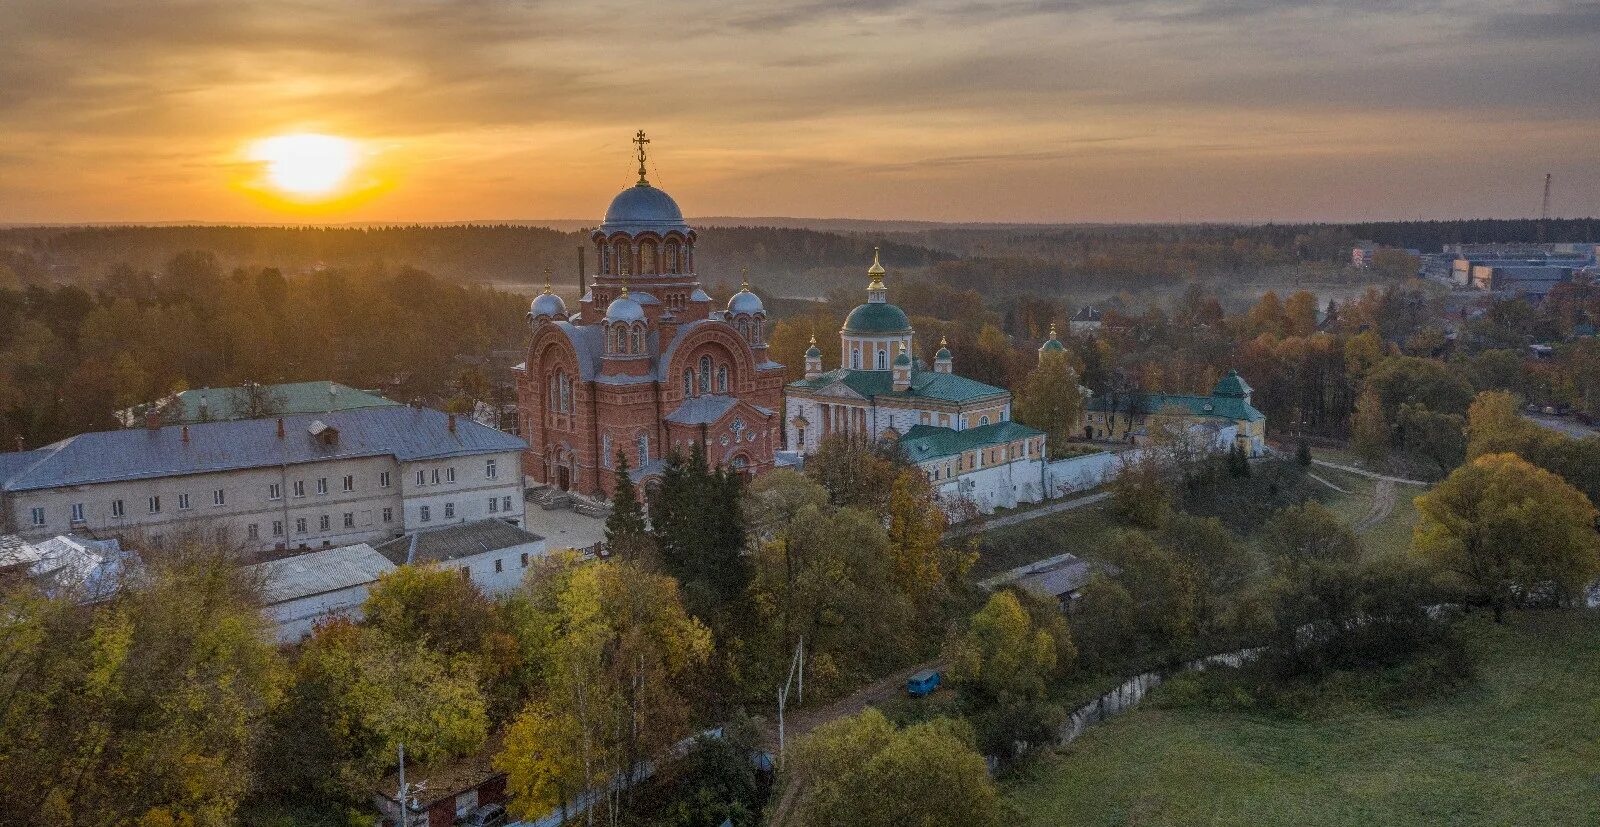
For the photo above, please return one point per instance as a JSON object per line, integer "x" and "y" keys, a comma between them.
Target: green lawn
{"x": 1392, "y": 535}
{"x": 1521, "y": 747}
{"x": 1079, "y": 531}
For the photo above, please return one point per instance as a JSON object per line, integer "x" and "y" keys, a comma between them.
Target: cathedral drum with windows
{"x": 646, "y": 366}
{"x": 957, "y": 430}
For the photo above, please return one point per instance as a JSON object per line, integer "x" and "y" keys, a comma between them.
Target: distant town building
{"x": 957, "y": 430}
{"x": 300, "y": 590}
{"x": 1085, "y": 321}
{"x": 302, "y": 481}
{"x": 646, "y": 366}
{"x": 494, "y": 554}
{"x": 252, "y": 401}
{"x": 1133, "y": 418}
{"x": 1361, "y": 255}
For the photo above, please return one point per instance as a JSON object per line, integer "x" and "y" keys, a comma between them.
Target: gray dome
{"x": 641, "y": 208}
{"x": 547, "y": 304}
{"x": 745, "y": 301}
{"x": 624, "y": 309}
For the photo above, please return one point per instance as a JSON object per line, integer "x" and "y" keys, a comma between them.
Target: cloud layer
{"x": 1081, "y": 110}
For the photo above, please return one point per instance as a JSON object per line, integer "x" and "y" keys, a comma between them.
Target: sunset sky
{"x": 962, "y": 110}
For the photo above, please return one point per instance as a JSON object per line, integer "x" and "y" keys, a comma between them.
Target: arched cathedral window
{"x": 722, "y": 379}
{"x": 688, "y": 383}
{"x": 705, "y": 374}
{"x": 624, "y": 260}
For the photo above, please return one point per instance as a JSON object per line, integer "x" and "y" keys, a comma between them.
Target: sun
{"x": 306, "y": 164}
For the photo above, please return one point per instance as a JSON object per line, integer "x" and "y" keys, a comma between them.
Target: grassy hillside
{"x": 1522, "y": 747}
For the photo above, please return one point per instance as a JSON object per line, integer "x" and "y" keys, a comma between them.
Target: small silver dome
{"x": 547, "y": 304}
{"x": 745, "y": 302}
{"x": 624, "y": 309}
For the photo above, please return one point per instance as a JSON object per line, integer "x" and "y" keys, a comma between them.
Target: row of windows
{"x": 78, "y": 512}
{"x": 499, "y": 566}
{"x": 496, "y": 505}
{"x": 623, "y": 339}
{"x": 704, "y": 385}
{"x": 618, "y": 259}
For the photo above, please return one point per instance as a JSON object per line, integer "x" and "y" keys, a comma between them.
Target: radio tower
{"x": 1544, "y": 208}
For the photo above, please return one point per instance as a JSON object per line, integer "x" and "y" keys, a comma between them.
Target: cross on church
{"x": 641, "y": 140}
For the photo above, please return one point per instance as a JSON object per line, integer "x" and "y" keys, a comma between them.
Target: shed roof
{"x": 453, "y": 542}
{"x": 320, "y": 572}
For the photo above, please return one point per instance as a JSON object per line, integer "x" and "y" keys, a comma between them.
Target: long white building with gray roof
{"x": 297, "y": 482}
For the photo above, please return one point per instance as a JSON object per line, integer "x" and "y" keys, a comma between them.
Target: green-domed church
{"x": 959, "y": 431}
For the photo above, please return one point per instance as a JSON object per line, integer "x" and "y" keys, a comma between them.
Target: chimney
{"x": 451, "y": 423}
{"x": 186, "y": 435}
{"x": 152, "y": 419}
{"x": 582, "y": 277}
{"x": 280, "y": 428}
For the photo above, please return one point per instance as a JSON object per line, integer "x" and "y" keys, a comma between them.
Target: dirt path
{"x": 1370, "y": 475}
{"x": 1383, "y": 499}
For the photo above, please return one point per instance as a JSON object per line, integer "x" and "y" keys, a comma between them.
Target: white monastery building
{"x": 957, "y": 430}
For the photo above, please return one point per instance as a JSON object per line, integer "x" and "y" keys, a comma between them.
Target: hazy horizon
{"x": 952, "y": 111}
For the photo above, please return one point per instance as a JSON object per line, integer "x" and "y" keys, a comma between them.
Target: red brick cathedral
{"x": 645, "y": 366}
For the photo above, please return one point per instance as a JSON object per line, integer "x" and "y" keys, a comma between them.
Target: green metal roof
{"x": 877, "y": 317}
{"x": 222, "y": 404}
{"x": 1217, "y": 407}
{"x": 925, "y": 442}
{"x": 944, "y": 387}
{"x": 1231, "y": 386}
{"x": 1052, "y": 344}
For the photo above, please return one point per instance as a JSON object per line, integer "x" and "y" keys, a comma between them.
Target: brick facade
{"x": 646, "y": 366}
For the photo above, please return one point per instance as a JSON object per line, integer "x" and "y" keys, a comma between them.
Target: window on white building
{"x": 155, "y": 505}
{"x": 388, "y": 515}
{"x": 183, "y": 502}
{"x": 425, "y": 514}
{"x": 252, "y": 532}
{"x": 77, "y": 513}
{"x": 322, "y": 485}
{"x": 449, "y": 511}
{"x": 349, "y": 482}
{"x": 300, "y": 525}
{"x": 38, "y": 516}
{"x": 490, "y": 470}
{"x": 299, "y": 488}
{"x": 349, "y": 519}
{"x": 422, "y": 478}
{"x": 277, "y": 528}
{"x": 450, "y": 474}
{"x": 506, "y": 503}
{"x": 433, "y": 477}
{"x": 274, "y": 491}
{"x": 116, "y": 508}
{"x": 498, "y": 567}
{"x": 383, "y": 480}
{"x": 494, "y": 504}
{"x": 524, "y": 559}
{"x": 219, "y": 497}
{"x": 324, "y": 523}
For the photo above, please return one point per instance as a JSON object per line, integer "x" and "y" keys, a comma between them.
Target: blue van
{"x": 922, "y": 683}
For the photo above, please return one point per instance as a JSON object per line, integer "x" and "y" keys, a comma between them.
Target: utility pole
{"x": 796, "y": 672}
{"x": 406, "y": 793}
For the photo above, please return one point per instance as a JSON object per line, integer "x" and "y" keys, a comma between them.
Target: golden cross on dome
{"x": 547, "y": 280}
{"x": 744, "y": 272}
{"x": 641, "y": 140}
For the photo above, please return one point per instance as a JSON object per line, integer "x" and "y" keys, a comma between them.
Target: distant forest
{"x": 788, "y": 261}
